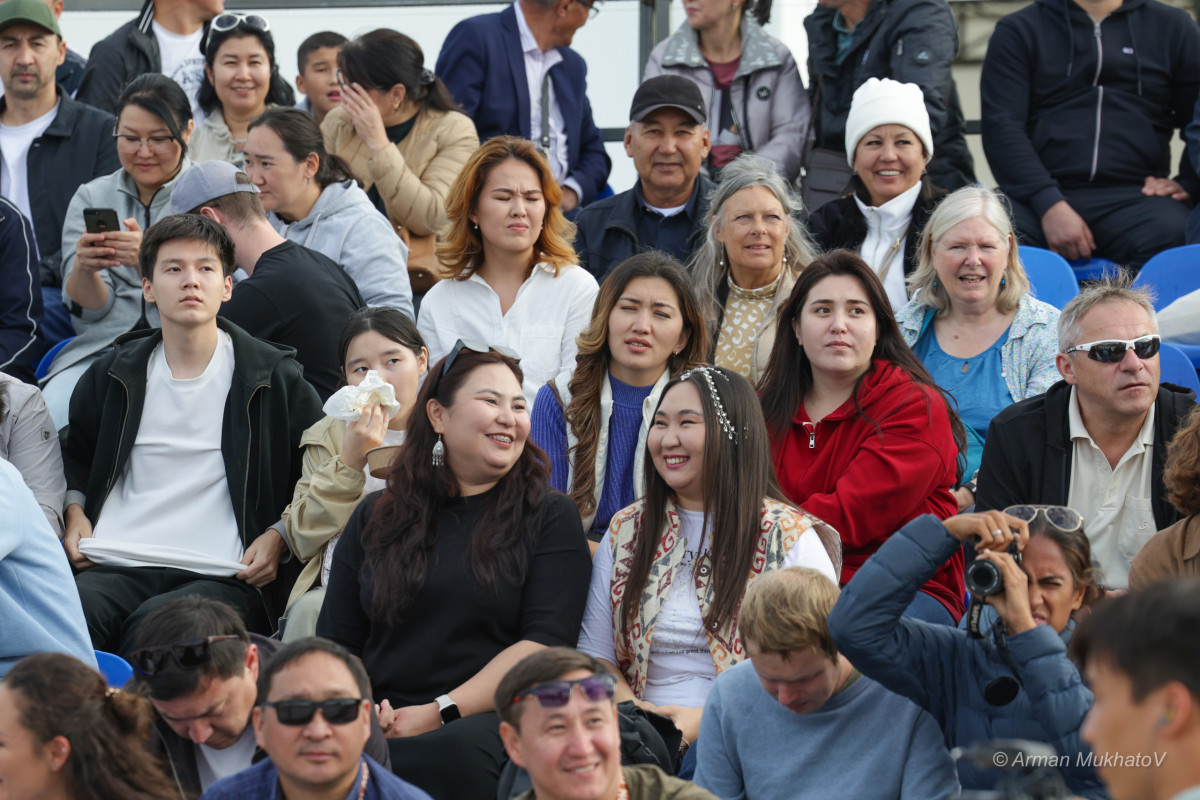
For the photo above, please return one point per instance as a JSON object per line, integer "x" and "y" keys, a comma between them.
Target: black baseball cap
{"x": 668, "y": 91}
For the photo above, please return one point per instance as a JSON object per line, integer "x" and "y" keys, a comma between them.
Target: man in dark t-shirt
{"x": 293, "y": 296}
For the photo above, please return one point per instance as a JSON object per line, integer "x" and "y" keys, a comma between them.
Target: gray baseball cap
{"x": 204, "y": 182}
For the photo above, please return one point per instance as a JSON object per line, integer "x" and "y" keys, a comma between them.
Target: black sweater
{"x": 455, "y": 626}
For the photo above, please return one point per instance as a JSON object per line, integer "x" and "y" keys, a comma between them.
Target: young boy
{"x": 183, "y": 449}
{"x": 317, "y": 57}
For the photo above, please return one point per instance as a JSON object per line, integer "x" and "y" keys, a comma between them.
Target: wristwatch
{"x": 448, "y": 709}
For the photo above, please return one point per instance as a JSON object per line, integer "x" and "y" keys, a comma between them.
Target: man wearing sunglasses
{"x": 558, "y": 720}
{"x": 200, "y": 669}
{"x": 313, "y": 721}
{"x": 1097, "y": 440}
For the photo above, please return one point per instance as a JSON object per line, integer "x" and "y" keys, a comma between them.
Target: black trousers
{"x": 460, "y": 761}
{"x": 1128, "y": 226}
{"x": 116, "y": 599}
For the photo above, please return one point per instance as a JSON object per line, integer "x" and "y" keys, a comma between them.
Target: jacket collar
{"x": 758, "y": 51}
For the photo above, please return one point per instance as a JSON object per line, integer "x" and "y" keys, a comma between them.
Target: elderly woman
{"x": 723, "y": 49}
{"x": 888, "y": 144}
{"x": 972, "y": 321}
{"x": 752, "y": 254}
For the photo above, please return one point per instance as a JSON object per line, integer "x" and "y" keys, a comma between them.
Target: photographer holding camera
{"x": 1014, "y": 681}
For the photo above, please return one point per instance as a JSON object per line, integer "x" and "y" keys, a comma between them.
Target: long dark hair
{"x": 301, "y": 136}
{"x": 788, "y": 378}
{"x": 279, "y": 91}
{"x": 582, "y": 414}
{"x": 399, "y": 537}
{"x": 384, "y": 320}
{"x": 383, "y": 58}
{"x": 157, "y": 94}
{"x": 57, "y": 695}
{"x": 738, "y": 476}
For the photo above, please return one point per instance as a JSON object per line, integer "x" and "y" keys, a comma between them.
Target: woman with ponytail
{"x": 751, "y": 85}
{"x": 65, "y": 734}
{"x": 312, "y": 199}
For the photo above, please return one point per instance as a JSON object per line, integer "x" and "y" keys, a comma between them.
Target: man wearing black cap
{"x": 668, "y": 141}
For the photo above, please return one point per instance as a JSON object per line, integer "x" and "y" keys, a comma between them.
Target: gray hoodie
{"x": 345, "y": 226}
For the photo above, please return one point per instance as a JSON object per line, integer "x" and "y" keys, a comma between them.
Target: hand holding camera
{"x": 996, "y": 575}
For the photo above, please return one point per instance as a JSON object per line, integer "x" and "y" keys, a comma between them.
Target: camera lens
{"x": 983, "y": 578}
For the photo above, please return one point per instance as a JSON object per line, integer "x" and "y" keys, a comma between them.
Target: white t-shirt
{"x": 173, "y": 492}
{"x": 213, "y": 764}
{"x": 183, "y": 63}
{"x": 15, "y": 141}
{"x": 680, "y": 669}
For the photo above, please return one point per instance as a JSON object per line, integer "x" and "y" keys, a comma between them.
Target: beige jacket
{"x": 765, "y": 340}
{"x": 326, "y": 495}
{"x": 413, "y": 177}
{"x": 1173, "y": 552}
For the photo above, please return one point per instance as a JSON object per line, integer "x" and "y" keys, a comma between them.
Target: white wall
{"x": 609, "y": 44}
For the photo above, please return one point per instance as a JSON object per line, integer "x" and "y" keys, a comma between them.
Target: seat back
{"x": 1050, "y": 276}
{"x": 1172, "y": 274}
{"x": 116, "y": 670}
{"x": 1175, "y": 367}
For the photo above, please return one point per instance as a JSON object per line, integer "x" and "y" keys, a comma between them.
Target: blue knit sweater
{"x": 549, "y": 432}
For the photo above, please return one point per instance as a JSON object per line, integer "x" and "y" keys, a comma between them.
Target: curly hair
{"x": 1182, "y": 473}
{"x": 460, "y": 246}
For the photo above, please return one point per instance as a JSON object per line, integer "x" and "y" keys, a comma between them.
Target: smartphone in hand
{"x": 101, "y": 220}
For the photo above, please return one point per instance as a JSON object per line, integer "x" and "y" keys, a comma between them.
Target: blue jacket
{"x": 945, "y": 671}
{"x": 261, "y": 782}
{"x": 483, "y": 66}
{"x": 20, "y": 295}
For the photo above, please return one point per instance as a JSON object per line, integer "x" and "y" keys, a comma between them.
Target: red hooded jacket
{"x": 869, "y": 475}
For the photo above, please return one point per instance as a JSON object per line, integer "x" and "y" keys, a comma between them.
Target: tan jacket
{"x": 764, "y": 341}
{"x": 1171, "y": 553}
{"x": 326, "y": 495}
{"x": 414, "y": 177}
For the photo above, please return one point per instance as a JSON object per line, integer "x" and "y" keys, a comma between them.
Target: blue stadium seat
{"x": 116, "y": 670}
{"x": 1093, "y": 269}
{"x": 1176, "y": 367}
{"x": 43, "y": 367}
{"x": 1172, "y": 274}
{"x": 1049, "y": 274}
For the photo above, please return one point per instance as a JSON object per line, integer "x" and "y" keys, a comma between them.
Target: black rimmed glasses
{"x": 474, "y": 347}
{"x": 1064, "y": 518}
{"x": 150, "y": 661}
{"x": 1112, "y": 351}
{"x": 228, "y": 21}
{"x": 337, "y": 711}
{"x": 556, "y": 694}
{"x": 592, "y": 9}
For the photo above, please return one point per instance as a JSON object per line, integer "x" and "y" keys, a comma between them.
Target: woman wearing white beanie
{"x": 888, "y": 144}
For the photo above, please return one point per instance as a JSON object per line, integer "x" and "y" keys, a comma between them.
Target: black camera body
{"x": 983, "y": 577}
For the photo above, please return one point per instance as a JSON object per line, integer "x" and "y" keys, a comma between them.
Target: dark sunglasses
{"x": 1065, "y": 519}
{"x": 227, "y": 22}
{"x": 339, "y": 711}
{"x": 150, "y": 661}
{"x": 1110, "y": 352}
{"x": 474, "y": 347}
{"x": 556, "y": 694}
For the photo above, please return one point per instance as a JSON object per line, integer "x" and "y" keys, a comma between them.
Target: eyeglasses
{"x": 1065, "y": 519}
{"x": 150, "y": 661}
{"x": 338, "y": 711}
{"x": 156, "y": 144}
{"x": 227, "y": 22}
{"x": 1110, "y": 352}
{"x": 474, "y": 347}
{"x": 556, "y": 694}
{"x": 592, "y": 9}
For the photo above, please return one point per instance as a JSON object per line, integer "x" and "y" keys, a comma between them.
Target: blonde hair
{"x": 958, "y": 207}
{"x": 788, "y": 610}
{"x": 460, "y": 246}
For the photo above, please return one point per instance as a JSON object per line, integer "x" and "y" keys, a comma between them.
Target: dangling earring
{"x": 439, "y": 452}
{"x": 1003, "y": 282}
{"x": 395, "y": 107}
{"x": 935, "y": 283}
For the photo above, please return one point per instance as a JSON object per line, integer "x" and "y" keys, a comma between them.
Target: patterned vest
{"x": 780, "y": 529}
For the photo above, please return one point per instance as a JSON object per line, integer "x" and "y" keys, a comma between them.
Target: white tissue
{"x": 348, "y": 402}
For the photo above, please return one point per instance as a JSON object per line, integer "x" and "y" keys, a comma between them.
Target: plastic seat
{"x": 116, "y": 670}
{"x": 1172, "y": 274}
{"x": 1176, "y": 367}
{"x": 43, "y": 367}
{"x": 1093, "y": 269}
{"x": 1049, "y": 274}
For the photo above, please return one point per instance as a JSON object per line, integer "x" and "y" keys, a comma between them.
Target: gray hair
{"x": 709, "y": 266}
{"x": 1112, "y": 289}
{"x": 965, "y": 204}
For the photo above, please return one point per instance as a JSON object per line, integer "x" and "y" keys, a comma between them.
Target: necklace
{"x": 622, "y": 790}
{"x": 362, "y": 784}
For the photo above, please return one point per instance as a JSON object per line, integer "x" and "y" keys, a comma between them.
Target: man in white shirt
{"x": 49, "y": 143}
{"x": 167, "y": 36}
{"x": 1097, "y": 439}
{"x": 183, "y": 450}
{"x": 1139, "y": 654}
{"x": 479, "y": 65}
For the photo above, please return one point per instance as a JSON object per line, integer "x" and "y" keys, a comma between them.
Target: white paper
{"x": 348, "y": 402}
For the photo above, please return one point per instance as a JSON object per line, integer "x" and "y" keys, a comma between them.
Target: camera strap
{"x": 974, "y": 612}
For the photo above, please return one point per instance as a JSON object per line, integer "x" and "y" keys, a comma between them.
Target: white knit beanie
{"x": 887, "y": 102}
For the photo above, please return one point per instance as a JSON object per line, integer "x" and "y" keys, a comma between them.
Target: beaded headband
{"x": 708, "y": 373}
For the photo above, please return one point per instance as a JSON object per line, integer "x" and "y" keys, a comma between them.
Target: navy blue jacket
{"x": 945, "y": 671}
{"x": 1068, "y": 103}
{"x": 20, "y": 295}
{"x": 483, "y": 66}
